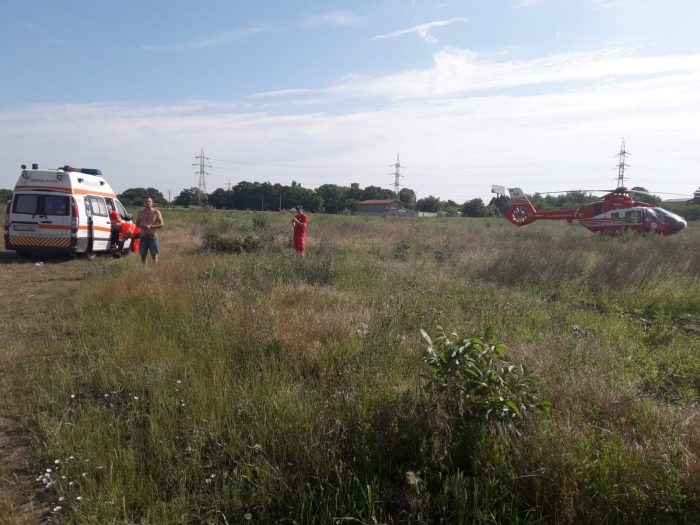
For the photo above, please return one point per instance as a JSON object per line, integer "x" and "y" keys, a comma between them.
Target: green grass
{"x": 292, "y": 388}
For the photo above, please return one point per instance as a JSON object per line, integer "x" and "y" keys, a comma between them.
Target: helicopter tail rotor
{"x": 521, "y": 210}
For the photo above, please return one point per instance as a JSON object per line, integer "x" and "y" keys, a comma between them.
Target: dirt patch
{"x": 32, "y": 292}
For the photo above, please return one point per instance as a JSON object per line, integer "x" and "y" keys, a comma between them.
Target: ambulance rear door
{"x": 40, "y": 220}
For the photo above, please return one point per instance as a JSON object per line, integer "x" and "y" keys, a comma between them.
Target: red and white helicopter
{"x": 618, "y": 212}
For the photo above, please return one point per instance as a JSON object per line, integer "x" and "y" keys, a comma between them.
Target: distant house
{"x": 694, "y": 200}
{"x": 384, "y": 207}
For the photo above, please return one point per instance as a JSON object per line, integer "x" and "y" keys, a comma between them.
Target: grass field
{"x": 261, "y": 387}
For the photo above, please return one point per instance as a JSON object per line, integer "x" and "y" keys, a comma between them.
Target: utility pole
{"x": 169, "y": 195}
{"x": 202, "y": 186}
{"x": 621, "y": 165}
{"x": 397, "y": 175}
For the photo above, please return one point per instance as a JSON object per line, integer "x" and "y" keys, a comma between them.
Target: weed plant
{"x": 265, "y": 387}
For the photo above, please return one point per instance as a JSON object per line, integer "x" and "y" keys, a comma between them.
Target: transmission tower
{"x": 397, "y": 175}
{"x": 621, "y": 165}
{"x": 202, "y": 186}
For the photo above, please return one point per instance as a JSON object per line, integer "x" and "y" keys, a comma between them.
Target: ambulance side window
{"x": 110, "y": 204}
{"x": 120, "y": 209}
{"x": 98, "y": 206}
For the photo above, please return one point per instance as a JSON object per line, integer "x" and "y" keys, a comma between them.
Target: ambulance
{"x": 63, "y": 210}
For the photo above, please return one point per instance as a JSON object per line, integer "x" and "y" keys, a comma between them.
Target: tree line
{"x": 331, "y": 198}
{"x": 327, "y": 198}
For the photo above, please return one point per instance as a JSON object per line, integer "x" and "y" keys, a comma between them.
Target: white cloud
{"x": 422, "y": 30}
{"x": 215, "y": 40}
{"x": 333, "y": 18}
{"x": 606, "y": 4}
{"x": 461, "y": 71}
{"x": 527, "y": 3}
{"x": 456, "y": 142}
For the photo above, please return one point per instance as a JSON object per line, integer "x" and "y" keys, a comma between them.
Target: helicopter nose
{"x": 678, "y": 224}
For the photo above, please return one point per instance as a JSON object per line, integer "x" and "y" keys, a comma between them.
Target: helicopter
{"x": 618, "y": 212}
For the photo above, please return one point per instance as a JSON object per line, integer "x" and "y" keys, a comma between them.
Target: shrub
{"x": 472, "y": 378}
{"x": 230, "y": 243}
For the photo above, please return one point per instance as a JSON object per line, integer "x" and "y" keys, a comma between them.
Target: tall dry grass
{"x": 277, "y": 388}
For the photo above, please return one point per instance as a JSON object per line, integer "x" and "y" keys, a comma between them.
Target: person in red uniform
{"x": 121, "y": 231}
{"x": 300, "y": 221}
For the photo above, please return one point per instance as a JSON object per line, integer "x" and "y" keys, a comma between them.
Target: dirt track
{"x": 31, "y": 295}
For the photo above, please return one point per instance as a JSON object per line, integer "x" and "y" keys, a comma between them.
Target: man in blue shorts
{"x": 150, "y": 221}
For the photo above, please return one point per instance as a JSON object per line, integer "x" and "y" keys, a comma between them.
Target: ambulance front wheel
{"x": 90, "y": 256}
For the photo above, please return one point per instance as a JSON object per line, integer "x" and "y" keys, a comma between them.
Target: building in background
{"x": 384, "y": 207}
{"x": 694, "y": 200}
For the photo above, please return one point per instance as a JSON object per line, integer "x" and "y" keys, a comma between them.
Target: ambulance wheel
{"x": 22, "y": 254}
{"x": 90, "y": 256}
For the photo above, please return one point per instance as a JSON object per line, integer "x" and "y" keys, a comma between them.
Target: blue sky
{"x": 533, "y": 93}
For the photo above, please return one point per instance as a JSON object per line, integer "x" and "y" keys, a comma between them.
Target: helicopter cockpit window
{"x": 633, "y": 216}
{"x": 653, "y": 216}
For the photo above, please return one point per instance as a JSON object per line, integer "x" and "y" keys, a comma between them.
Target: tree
{"x": 500, "y": 203}
{"x": 5, "y": 195}
{"x": 474, "y": 208}
{"x": 333, "y": 197}
{"x": 408, "y": 197}
{"x": 377, "y": 193}
{"x": 354, "y": 192}
{"x": 135, "y": 196}
{"x": 220, "y": 198}
{"x": 428, "y": 204}
{"x": 644, "y": 195}
{"x": 190, "y": 197}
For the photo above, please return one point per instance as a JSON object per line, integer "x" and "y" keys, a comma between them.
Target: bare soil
{"x": 33, "y": 293}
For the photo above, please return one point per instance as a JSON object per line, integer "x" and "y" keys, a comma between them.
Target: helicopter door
{"x": 597, "y": 208}
{"x": 633, "y": 216}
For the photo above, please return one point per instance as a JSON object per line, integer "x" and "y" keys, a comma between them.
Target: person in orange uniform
{"x": 121, "y": 231}
{"x": 299, "y": 222}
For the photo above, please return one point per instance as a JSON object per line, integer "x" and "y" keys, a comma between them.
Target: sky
{"x": 537, "y": 94}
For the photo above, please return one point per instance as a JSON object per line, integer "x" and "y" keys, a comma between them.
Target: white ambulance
{"x": 63, "y": 210}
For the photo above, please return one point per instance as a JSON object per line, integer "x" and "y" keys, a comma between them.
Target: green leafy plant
{"x": 473, "y": 378}
{"x": 227, "y": 243}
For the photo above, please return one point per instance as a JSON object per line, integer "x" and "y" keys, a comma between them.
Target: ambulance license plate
{"x": 24, "y": 227}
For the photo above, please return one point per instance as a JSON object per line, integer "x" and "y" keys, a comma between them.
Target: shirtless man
{"x": 149, "y": 220}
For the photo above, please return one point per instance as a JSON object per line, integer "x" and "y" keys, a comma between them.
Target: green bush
{"x": 473, "y": 378}
{"x": 230, "y": 243}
